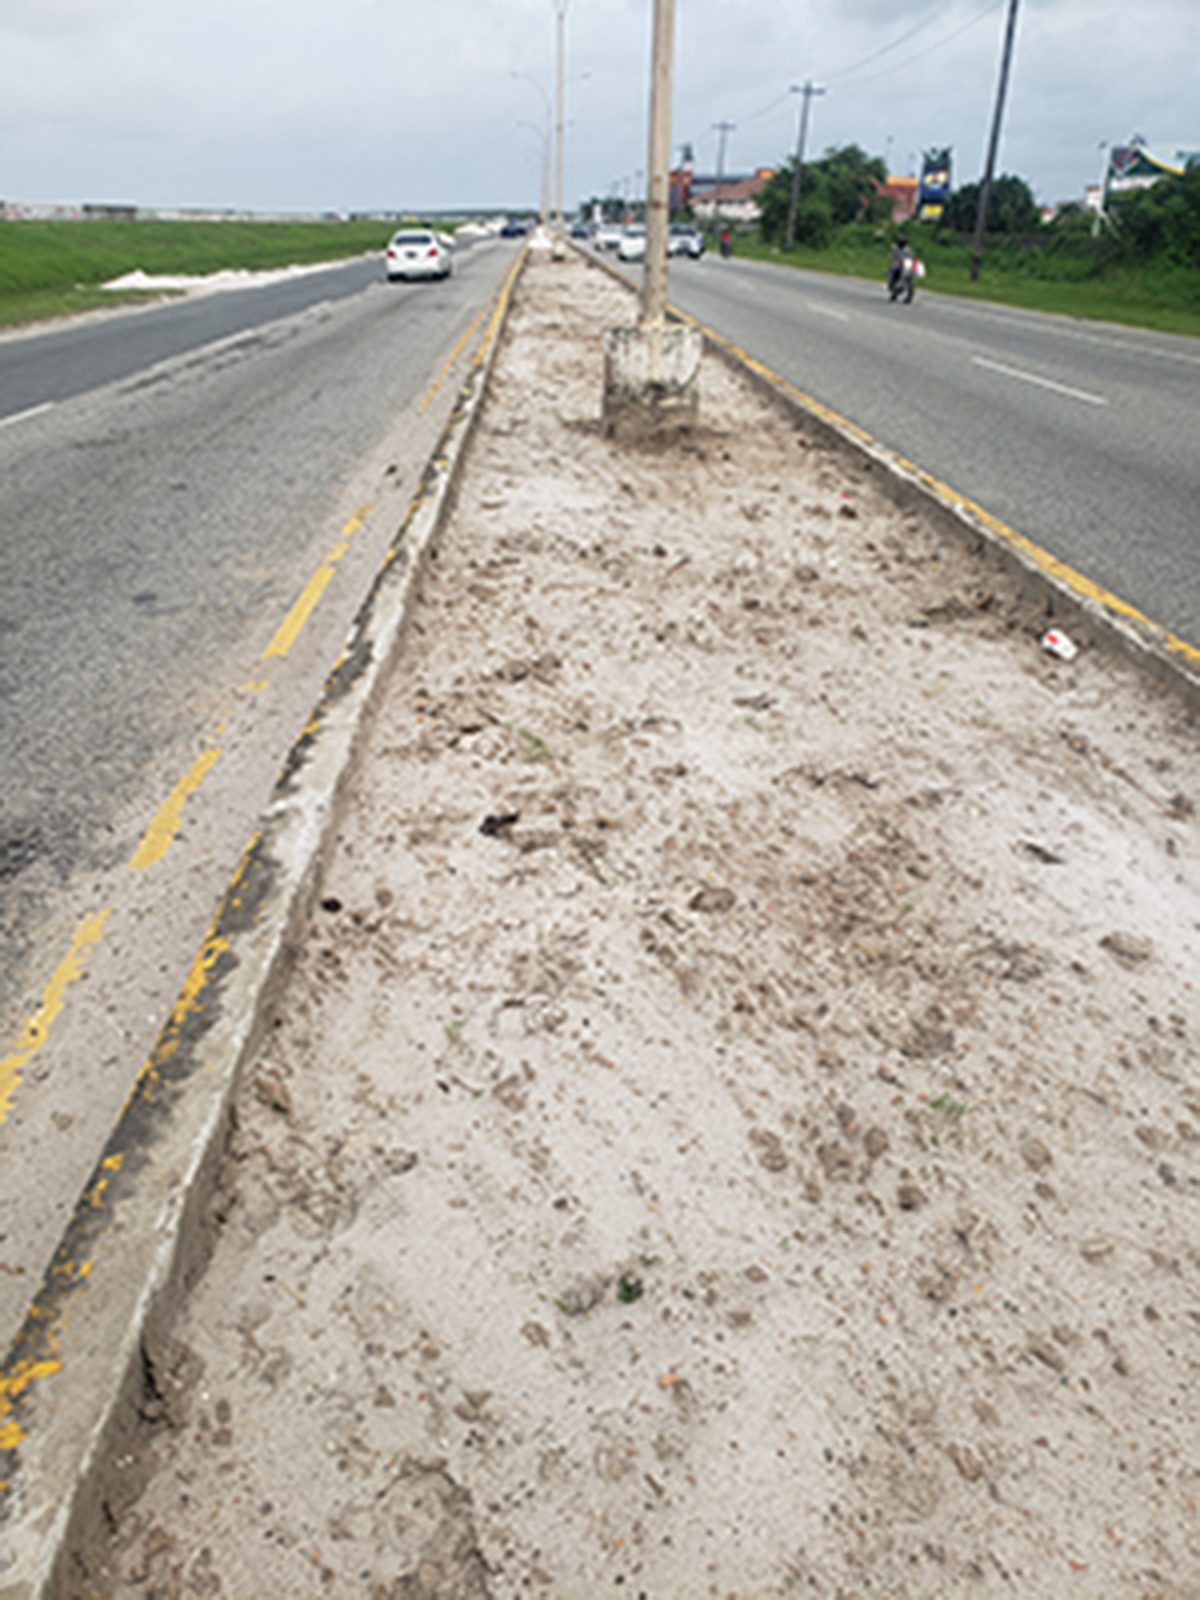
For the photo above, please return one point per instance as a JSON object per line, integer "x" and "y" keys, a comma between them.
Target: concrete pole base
{"x": 650, "y": 381}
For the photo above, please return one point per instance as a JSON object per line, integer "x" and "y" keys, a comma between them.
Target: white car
{"x": 418, "y": 253}
{"x": 632, "y": 246}
{"x": 608, "y": 236}
{"x": 684, "y": 240}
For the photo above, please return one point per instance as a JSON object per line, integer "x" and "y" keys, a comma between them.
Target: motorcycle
{"x": 903, "y": 276}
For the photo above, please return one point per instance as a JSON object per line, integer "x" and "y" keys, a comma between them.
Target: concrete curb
{"x": 82, "y": 1369}
{"x": 1069, "y": 597}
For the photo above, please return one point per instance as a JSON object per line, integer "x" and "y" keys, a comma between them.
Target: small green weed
{"x": 952, "y": 1108}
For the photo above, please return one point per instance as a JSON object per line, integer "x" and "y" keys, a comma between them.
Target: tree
{"x": 852, "y": 180}
{"x": 843, "y": 186}
{"x": 1011, "y": 209}
{"x": 1163, "y": 221}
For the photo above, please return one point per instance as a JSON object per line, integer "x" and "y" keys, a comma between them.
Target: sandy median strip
{"x": 732, "y": 1128}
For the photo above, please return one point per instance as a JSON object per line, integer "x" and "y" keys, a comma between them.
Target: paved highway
{"x": 1080, "y": 435}
{"x": 42, "y": 368}
{"x": 195, "y": 500}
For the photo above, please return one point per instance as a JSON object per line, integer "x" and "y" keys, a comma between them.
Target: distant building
{"x": 902, "y": 193}
{"x": 107, "y": 211}
{"x": 734, "y": 200}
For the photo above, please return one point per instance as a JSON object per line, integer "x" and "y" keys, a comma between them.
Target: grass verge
{"x": 1162, "y": 299}
{"x": 54, "y": 269}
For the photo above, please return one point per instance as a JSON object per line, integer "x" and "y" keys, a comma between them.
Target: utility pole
{"x": 560, "y": 7}
{"x": 808, "y": 90}
{"x": 985, "y": 191}
{"x": 723, "y": 130}
{"x": 658, "y": 164}
{"x": 650, "y": 371}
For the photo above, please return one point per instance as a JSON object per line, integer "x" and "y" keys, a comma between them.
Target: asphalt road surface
{"x": 46, "y": 367}
{"x": 195, "y": 500}
{"x": 1080, "y": 435}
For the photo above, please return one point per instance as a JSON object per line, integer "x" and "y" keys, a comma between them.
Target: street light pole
{"x": 545, "y": 143}
{"x": 560, "y": 84}
{"x": 526, "y": 78}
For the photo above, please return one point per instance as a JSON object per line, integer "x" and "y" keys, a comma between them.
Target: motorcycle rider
{"x": 900, "y": 256}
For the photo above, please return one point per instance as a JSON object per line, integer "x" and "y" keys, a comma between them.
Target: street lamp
{"x": 560, "y": 92}
{"x": 545, "y": 139}
{"x": 526, "y": 77}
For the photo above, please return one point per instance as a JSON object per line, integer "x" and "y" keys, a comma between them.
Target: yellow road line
{"x": 444, "y": 369}
{"x": 168, "y": 819}
{"x": 166, "y": 822}
{"x": 37, "y": 1028}
{"x": 12, "y": 1389}
{"x": 289, "y": 629}
{"x": 1070, "y": 577}
{"x": 502, "y": 300}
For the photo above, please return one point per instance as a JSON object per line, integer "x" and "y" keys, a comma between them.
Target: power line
{"x": 883, "y": 50}
{"x": 899, "y": 66}
{"x": 754, "y": 116}
{"x": 780, "y": 99}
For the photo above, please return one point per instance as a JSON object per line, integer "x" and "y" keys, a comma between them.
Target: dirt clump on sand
{"x": 732, "y": 1127}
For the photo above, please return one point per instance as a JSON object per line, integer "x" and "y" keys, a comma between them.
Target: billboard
{"x": 1132, "y": 166}
{"x": 934, "y": 188}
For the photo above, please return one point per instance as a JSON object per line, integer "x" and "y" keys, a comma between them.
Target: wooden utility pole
{"x": 723, "y": 130}
{"x": 807, "y": 90}
{"x": 658, "y": 167}
{"x": 985, "y": 189}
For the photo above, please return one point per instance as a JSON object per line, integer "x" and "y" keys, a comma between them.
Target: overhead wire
{"x": 988, "y": 9}
{"x": 894, "y": 44}
{"x": 767, "y": 109}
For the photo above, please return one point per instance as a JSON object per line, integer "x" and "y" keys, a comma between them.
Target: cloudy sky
{"x": 345, "y": 104}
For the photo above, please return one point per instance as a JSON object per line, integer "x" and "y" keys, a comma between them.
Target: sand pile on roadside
{"x": 732, "y": 1128}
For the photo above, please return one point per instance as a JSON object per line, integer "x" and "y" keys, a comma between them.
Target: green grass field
{"x": 52, "y": 269}
{"x": 1161, "y": 298}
